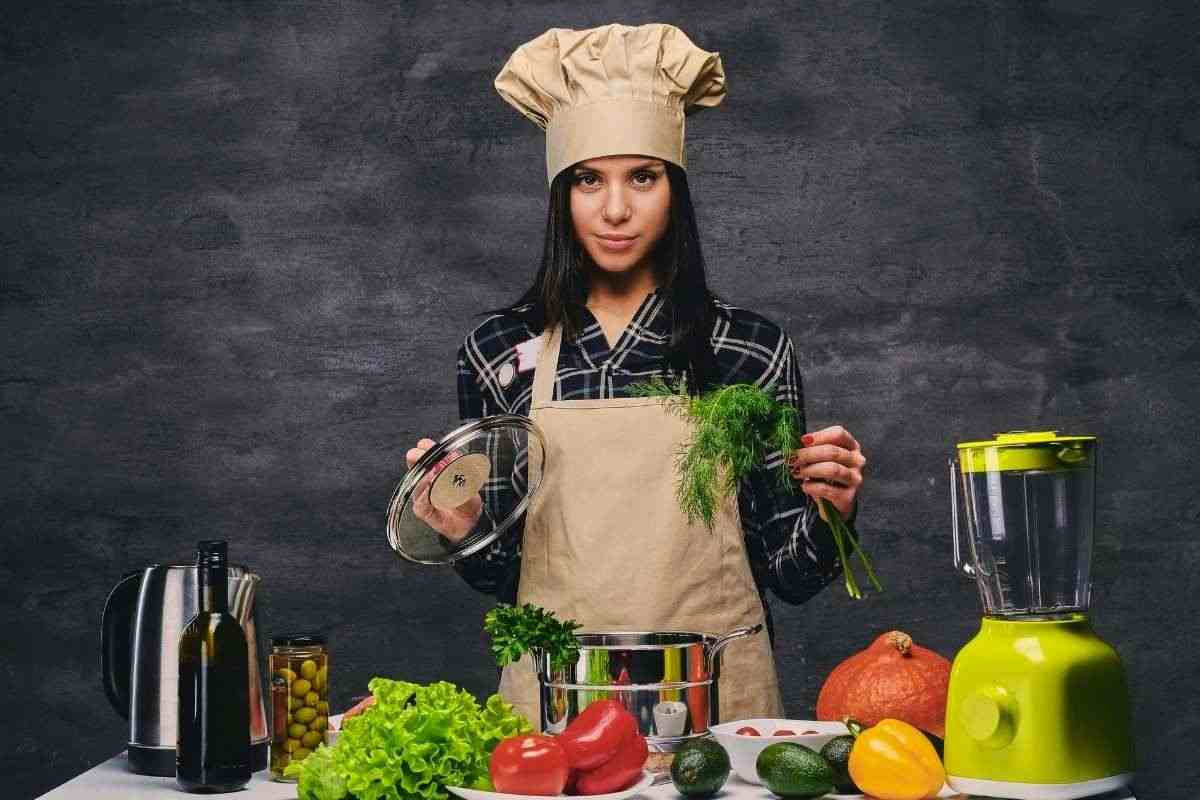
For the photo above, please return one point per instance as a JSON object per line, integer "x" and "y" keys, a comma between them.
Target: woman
{"x": 620, "y": 297}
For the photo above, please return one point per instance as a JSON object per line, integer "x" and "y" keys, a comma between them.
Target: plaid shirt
{"x": 790, "y": 548}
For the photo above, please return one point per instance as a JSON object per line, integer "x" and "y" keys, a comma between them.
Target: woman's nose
{"x": 616, "y": 208}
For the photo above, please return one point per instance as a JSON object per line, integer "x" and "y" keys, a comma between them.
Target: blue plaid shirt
{"x": 790, "y": 548}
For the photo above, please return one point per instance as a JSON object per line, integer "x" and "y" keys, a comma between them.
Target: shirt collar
{"x": 649, "y": 316}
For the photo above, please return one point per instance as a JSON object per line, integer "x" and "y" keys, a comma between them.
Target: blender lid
{"x": 475, "y": 478}
{"x": 1027, "y": 450}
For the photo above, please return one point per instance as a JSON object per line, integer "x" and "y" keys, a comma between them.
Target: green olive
{"x": 323, "y": 707}
{"x": 290, "y": 745}
{"x": 322, "y": 678}
{"x": 309, "y": 669}
{"x": 306, "y": 715}
{"x": 311, "y": 699}
{"x": 301, "y": 754}
{"x": 285, "y": 673}
{"x": 291, "y": 718}
{"x": 301, "y": 687}
{"x": 312, "y": 739}
{"x": 297, "y": 730}
{"x": 319, "y": 724}
{"x": 294, "y": 702}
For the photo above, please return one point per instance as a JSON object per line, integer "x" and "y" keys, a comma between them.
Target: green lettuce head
{"x": 412, "y": 743}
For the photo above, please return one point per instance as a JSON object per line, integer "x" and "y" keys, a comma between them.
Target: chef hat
{"x": 612, "y": 90}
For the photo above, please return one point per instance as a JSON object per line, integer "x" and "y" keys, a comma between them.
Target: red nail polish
{"x": 807, "y": 439}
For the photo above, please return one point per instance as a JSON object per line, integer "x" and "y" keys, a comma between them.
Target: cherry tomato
{"x": 597, "y": 734}
{"x": 529, "y": 764}
{"x": 748, "y": 731}
{"x": 783, "y": 732}
{"x": 619, "y": 772}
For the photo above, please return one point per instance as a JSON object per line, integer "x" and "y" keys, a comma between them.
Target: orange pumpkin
{"x": 891, "y": 678}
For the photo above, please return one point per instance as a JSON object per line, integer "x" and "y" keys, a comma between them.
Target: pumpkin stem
{"x": 901, "y": 641}
{"x": 854, "y": 726}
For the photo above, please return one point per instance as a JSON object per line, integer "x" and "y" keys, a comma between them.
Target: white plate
{"x": 479, "y": 794}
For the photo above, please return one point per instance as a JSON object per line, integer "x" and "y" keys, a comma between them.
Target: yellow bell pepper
{"x": 894, "y": 761}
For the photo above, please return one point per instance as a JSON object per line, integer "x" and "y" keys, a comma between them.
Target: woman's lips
{"x": 616, "y": 245}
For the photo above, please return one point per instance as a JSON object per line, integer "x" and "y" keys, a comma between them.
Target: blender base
{"x": 1039, "y": 791}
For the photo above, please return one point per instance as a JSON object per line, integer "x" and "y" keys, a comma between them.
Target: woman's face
{"x": 621, "y": 208}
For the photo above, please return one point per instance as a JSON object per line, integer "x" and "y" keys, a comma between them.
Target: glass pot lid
{"x": 467, "y": 490}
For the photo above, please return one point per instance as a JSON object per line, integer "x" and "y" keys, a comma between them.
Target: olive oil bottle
{"x": 212, "y": 751}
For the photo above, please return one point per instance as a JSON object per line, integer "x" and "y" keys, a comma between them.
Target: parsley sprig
{"x": 736, "y": 428}
{"x": 516, "y": 630}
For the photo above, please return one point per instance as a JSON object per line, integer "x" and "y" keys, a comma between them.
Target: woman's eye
{"x": 649, "y": 177}
{"x": 584, "y": 179}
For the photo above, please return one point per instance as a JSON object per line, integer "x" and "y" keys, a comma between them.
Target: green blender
{"x": 1038, "y": 705}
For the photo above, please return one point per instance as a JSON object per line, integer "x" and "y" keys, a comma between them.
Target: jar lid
{"x": 467, "y": 490}
{"x": 299, "y": 640}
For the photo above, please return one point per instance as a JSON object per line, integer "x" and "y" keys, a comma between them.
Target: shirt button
{"x": 506, "y": 375}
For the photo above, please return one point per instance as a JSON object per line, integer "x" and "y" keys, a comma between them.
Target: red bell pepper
{"x": 529, "y": 764}
{"x": 620, "y": 772}
{"x": 596, "y": 735}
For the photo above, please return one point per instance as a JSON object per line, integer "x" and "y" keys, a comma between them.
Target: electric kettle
{"x": 139, "y": 658}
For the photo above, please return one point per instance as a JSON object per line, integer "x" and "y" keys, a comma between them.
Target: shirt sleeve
{"x": 790, "y": 547}
{"x": 495, "y": 569}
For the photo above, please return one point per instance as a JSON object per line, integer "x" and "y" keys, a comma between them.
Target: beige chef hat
{"x": 612, "y": 90}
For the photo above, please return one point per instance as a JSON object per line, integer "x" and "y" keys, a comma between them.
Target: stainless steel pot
{"x": 667, "y": 679}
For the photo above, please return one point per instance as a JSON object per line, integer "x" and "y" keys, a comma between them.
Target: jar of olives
{"x": 299, "y": 698}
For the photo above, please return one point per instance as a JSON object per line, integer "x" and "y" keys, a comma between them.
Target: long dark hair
{"x": 559, "y": 292}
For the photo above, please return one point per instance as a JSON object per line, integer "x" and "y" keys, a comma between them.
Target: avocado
{"x": 937, "y": 744}
{"x": 700, "y": 768}
{"x": 792, "y": 770}
{"x": 837, "y": 752}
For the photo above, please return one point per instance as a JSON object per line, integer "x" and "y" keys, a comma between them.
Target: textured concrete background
{"x": 242, "y": 242}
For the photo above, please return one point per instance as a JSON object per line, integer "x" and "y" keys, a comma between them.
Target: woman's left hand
{"x": 830, "y": 465}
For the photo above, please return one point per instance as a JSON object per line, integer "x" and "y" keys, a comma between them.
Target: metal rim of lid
{"x": 454, "y": 439}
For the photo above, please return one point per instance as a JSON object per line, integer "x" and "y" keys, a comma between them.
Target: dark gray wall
{"x": 242, "y": 242}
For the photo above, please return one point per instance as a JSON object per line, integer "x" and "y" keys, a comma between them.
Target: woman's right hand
{"x": 455, "y": 523}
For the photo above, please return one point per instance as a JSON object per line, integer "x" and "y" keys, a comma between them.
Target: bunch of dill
{"x": 736, "y": 428}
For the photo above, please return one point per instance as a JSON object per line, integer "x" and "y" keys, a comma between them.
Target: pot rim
{"x": 625, "y": 687}
{"x": 596, "y": 640}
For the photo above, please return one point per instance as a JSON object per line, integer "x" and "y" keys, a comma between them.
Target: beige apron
{"x": 607, "y": 545}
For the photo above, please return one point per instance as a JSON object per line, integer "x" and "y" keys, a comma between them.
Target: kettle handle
{"x": 116, "y": 640}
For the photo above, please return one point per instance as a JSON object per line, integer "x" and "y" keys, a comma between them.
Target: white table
{"x": 112, "y": 780}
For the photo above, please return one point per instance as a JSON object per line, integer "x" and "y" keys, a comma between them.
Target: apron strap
{"x": 545, "y": 372}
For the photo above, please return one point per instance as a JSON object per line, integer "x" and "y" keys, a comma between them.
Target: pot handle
{"x": 716, "y": 647}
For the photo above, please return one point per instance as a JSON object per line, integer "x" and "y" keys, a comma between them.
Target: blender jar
{"x": 1029, "y": 501}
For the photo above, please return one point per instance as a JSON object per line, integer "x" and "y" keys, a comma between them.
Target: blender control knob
{"x": 990, "y": 716}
